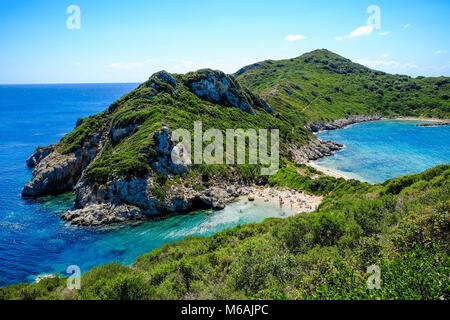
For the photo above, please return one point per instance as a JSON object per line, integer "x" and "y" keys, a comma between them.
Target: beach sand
{"x": 421, "y": 119}
{"x": 291, "y": 202}
{"x": 329, "y": 172}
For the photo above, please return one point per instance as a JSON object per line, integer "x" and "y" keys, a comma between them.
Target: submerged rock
{"x": 102, "y": 214}
{"x": 164, "y": 145}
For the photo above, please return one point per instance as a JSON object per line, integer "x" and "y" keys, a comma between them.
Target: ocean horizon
{"x": 34, "y": 239}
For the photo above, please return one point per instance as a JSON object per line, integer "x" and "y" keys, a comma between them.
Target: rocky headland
{"x": 122, "y": 197}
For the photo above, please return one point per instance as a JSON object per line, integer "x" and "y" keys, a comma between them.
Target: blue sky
{"x": 127, "y": 41}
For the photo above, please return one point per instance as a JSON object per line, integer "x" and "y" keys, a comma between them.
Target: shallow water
{"x": 33, "y": 239}
{"x": 380, "y": 150}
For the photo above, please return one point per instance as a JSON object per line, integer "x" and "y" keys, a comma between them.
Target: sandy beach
{"x": 421, "y": 119}
{"x": 292, "y": 201}
{"x": 329, "y": 172}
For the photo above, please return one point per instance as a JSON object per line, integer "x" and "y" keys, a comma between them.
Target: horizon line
{"x": 62, "y": 83}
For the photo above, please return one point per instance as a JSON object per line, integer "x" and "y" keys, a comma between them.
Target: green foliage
{"x": 318, "y": 255}
{"x": 319, "y": 85}
{"x": 303, "y": 178}
{"x": 305, "y": 89}
{"x": 46, "y": 289}
{"x": 401, "y": 225}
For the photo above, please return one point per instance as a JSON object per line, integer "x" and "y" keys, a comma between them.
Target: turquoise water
{"x": 380, "y": 150}
{"x": 33, "y": 239}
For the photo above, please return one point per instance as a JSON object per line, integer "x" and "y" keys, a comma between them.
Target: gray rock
{"x": 163, "y": 147}
{"x": 102, "y": 214}
{"x": 38, "y": 155}
{"x": 340, "y": 123}
{"x": 56, "y": 172}
{"x": 314, "y": 150}
{"x": 216, "y": 87}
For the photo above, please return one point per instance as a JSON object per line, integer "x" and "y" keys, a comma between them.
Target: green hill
{"x": 117, "y": 162}
{"x": 321, "y": 85}
{"x": 286, "y": 94}
{"x": 402, "y": 226}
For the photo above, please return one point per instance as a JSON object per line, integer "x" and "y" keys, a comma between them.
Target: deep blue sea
{"x": 33, "y": 239}
{"x": 380, "y": 150}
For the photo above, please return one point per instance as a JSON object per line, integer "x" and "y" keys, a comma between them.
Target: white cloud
{"x": 440, "y": 52}
{"x": 391, "y": 65}
{"x": 358, "y": 32}
{"x": 384, "y": 55}
{"x": 294, "y": 37}
{"x": 406, "y": 26}
{"x": 149, "y": 60}
{"x": 126, "y": 65}
{"x": 385, "y": 33}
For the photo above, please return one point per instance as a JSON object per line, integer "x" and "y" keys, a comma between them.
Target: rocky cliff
{"x": 119, "y": 164}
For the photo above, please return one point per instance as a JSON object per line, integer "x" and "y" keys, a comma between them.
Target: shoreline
{"x": 329, "y": 172}
{"x": 338, "y": 125}
{"x": 418, "y": 119}
{"x": 291, "y": 202}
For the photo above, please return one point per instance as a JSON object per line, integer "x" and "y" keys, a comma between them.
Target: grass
{"x": 402, "y": 225}
{"x": 321, "y": 255}
{"x": 319, "y": 85}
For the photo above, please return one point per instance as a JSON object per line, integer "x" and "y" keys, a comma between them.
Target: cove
{"x": 380, "y": 150}
{"x": 33, "y": 239}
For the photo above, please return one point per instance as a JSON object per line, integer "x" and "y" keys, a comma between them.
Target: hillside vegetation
{"x": 321, "y": 85}
{"x": 171, "y": 103}
{"x": 402, "y": 226}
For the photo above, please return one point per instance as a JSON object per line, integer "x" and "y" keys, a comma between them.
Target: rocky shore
{"x": 339, "y": 123}
{"x": 122, "y": 199}
{"x": 435, "y": 124}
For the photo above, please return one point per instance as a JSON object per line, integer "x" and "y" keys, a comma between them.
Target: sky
{"x": 41, "y": 41}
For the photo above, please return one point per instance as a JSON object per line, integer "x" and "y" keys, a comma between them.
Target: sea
{"x": 380, "y": 150}
{"x": 34, "y": 240}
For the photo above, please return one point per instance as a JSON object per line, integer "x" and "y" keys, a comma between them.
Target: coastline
{"x": 344, "y": 123}
{"x": 329, "y": 172}
{"x": 291, "y": 202}
{"x": 418, "y": 119}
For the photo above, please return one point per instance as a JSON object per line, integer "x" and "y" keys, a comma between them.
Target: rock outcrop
{"x": 314, "y": 150}
{"x": 217, "y": 87}
{"x": 56, "y": 172}
{"x": 340, "y": 123}
{"x": 102, "y": 214}
{"x": 38, "y": 155}
{"x": 163, "y": 163}
{"x": 121, "y": 200}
